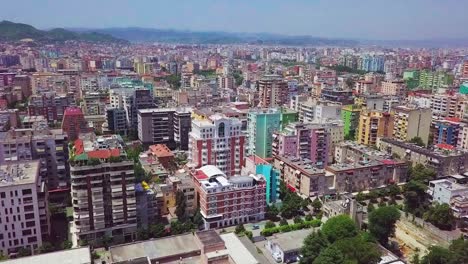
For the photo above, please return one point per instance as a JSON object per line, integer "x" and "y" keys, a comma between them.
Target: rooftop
{"x": 24, "y": 172}
{"x": 237, "y": 250}
{"x": 290, "y": 241}
{"x": 160, "y": 150}
{"x": 72, "y": 256}
{"x": 156, "y": 248}
{"x": 209, "y": 238}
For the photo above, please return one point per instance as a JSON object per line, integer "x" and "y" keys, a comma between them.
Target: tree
{"x": 317, "y": 204}
{"x": 440, "y": 215}
{"x": 313, "y": 245}
{"x": 181, "y": 206}
{"x": 106, "y": 241}
{"x": 298, "y": 220}
{"x": 459, "y": 250}
{"x": 157, "y": 230}
{"x": 46, "y": 247}
{"x": 272, "y": 212}
{"x": 330, "y": 255}
{"x": 370, "y": 207}
{"x": 339, "y": 227}
{"x": 239, "y": 229}
{"x": 359, "y": 249}
{"x": 382, "y": 223}
{"x": 414, "y": 193}
{"x": 422, "y": 174}
{"x": 418, "y": 141}
{"x": 415, "y": 259}
{"x": 24, "y": 252}
{"x": 67, "y": 244}
{"x": 394, "y": 190}
{"x": 3, "y": 257}
{"x": 360, "y": 197}
{"x": 269, "y": 224}
{"x": 198, "y": 218}
{"x": 143, "y": 234}
{"x": 283, "y": 222}
{"x": 438, "y": 255}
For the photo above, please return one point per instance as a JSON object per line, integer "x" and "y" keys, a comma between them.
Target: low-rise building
{"x": 444, "y": 190}
{"x": 229, "y": 201}
{"x": 286, "y": 247}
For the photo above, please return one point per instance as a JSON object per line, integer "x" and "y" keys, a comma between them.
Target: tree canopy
{"x": 440, "y": 215}
{"x": 339, "y": 227}
{"x": 313, "y": 245}
{"x": 382, "y": 222}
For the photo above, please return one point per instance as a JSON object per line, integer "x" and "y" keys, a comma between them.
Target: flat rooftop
{"x": 156, "y": 248}
{"x": 290, "y": 241}
{"x": 24, "y": 172}
{"x": 72, "y": 256}
{"x": 237, "y": 250}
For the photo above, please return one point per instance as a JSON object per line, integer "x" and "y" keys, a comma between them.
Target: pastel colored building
{"x": 411, "y": 122}
{"x": 350, "y": 116}
{"x": 260, "y": 127}
{"x": 374, "y": 124}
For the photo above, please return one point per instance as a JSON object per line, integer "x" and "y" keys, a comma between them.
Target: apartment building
{"x": 444, "y": 162}
{"x": 448, "y": 105}
{"x": 74, "y": 123}
{"x": 47, "y": 145}
{"x": 302, "y": 176}
{"x": 446, "y": 131}
{"x": 273, "y": 91}
{"x": 444, "y": 190}
{"x": 102, "y": 190}
{"x": 374, "y": 124}
{"x": 306, "y": 141}
{"x": 169, "y": 126}
{"x": 410, "y": 122}
{"x": 261, "y": 123}
{"x": 50, "y": 105}
{"x": 117, "y": 121}
{"x": 229, "y": 201}
{"x": 350, "y": 115}
{"x": 394, "y": 87}
{"x": 24, "y": 217}
{"x": 218, "y": 141}
{"x": 462, "y": 139}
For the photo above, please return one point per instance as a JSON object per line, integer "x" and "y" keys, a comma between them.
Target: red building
{"x": 229, "y": 201}
{"x": 74, "y": 123}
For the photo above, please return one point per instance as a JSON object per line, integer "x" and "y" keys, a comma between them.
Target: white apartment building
{"x": 218, "y": 141}
{"x": 24, "y": 219}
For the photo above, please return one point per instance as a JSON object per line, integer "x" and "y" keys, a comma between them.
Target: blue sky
{"x": 362, "y": 19}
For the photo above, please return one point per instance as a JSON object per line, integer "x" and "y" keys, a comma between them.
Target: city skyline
{"x": 361, "y": 19}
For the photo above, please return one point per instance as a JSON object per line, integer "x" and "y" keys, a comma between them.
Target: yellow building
{"x": 374, "y": 124}
{"x": 412, "y": 122}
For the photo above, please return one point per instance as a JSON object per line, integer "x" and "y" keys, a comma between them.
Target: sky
{"x": 357, "y": 19}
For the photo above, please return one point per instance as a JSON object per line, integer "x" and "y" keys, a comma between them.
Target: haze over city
{"x": 357, "y": 19}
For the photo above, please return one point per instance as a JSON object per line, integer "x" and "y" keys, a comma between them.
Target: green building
{"x": 464, "y": 88}
{"x": 411, "y": 79}
{"x": 431, "y": 80}
{"x": 288, "y": 116}
{"x": 260, "y": 127}
{"x": 350, "y": 115}
{"x": 272, "y": 177}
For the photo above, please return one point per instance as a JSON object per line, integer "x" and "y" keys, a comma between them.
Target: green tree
{"x": 418, "y": 141}
{"x": 298, "y": 220}
{"x": 382, "y": 223}
{"x": 394, "y": 190}
{"x": 157, "y": 230}
{"x": 359, "y": 250}
{"x": 438, "y": 255}
{"x": 198, "y": 218}
{"x": 24, "y": 252}
{"x": 173, "y": 80}
{"x": 422, "y": 174}
{"x": 272, "y": 212}
{"x": 313, "y": 245}
{"x": 317, "y": 204}
{"x": 67, "y": 244}
{"x": 239, "y": 229}
{"x": 283, "y": 222}
{"x": 440, "y": 215}
{"x": 46, "y": 247}
{"x": 360, "y": 197}
{"x": 415, "y": 259}
{"x": 269, "y": 224}
{"x": 3, "y": 257}
{"x": 414, "y": 193}
{"x": 330, "y": 255}
{"x": 370, "y": 207}
{"x": 339, "y": 227}
{"x": 106, "y": 241}
{"x": 459, "y": 250}
{"x": 143, "y": 234}
{"x": 181, "y": 206}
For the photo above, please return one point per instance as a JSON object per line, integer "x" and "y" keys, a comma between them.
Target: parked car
{"x": 255, "y": 227}
{"x": 277, "y": 257}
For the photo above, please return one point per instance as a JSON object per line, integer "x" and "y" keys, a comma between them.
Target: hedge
{"x": 292, "y": 227}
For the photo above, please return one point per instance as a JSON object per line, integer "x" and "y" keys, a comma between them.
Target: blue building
{"x": 446, "y": 131}
{"x": 272, "y": 177}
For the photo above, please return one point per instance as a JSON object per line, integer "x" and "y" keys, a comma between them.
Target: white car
{"x": 277, "y": 257}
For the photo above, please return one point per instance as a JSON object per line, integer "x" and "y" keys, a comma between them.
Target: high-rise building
{"x": 74, "y": 123}
{"x": 169, "y": 126}
{"x": 24, "y": 218}
{"x": 306, "y": 141}
{"x": 218, "y": 141}
{"x": 117, "y": 121}
{"x": 446, "y": 131}
{"x": 410, "y": 122}
{"x": 50, "y": 105}
{"x": 350, "y": 116}
{"x": 374, "y": 124}
{"x": 229, "y": 201}
{"x": 47, "y": 145}
{"x": 102, "y": 190}
{"x": 260, "y": 127}
{"x": 273, "y": 91}
{"x": 434, "y": 80}
{"x": 394, "y": 87}
{"x": 138, "y": 99}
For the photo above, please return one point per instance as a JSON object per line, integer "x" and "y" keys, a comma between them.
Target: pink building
{"x": 306, "y": 141}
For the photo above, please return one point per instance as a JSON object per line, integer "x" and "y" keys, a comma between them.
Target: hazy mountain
{"x": 10, "y": 31}
{"x": 191, "y": 37}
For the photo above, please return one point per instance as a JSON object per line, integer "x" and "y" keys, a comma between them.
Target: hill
{"x": 10, "y": 31}
{"x": 193, "y": 37}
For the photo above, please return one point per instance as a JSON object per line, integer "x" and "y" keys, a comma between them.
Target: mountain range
{"x": 10, "y": 31}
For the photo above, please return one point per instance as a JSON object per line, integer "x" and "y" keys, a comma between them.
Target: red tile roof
{"x": 200, "y": 175}
{"x": 79, "y": 148}
{"x": 104, "y": 153}
{"x": 160, "y": 150}
{"x": 445, "y": 146}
